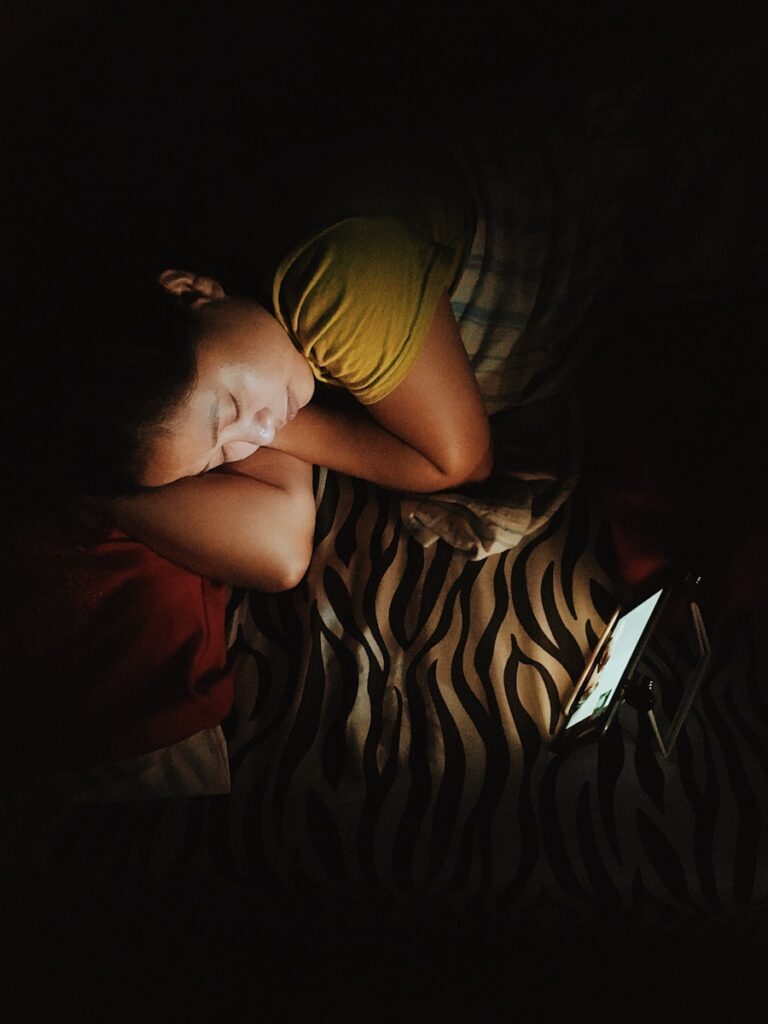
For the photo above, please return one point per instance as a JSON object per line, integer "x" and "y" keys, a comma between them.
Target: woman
{"x": 350, "y": 269}
{"x": 249, "y": 414}
{"x": 215, "y": 470}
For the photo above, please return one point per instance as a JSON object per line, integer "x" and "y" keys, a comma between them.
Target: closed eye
{"x": 224, "y": 459}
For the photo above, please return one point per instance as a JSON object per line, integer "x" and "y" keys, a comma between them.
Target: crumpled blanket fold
{"x": 538, "y": 456}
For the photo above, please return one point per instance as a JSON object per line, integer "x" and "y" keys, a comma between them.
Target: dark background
{"x": 131, "y": 114}
{"x": 134, "y": 113}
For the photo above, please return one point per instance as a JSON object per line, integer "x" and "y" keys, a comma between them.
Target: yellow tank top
{"x": 358, "y": 295}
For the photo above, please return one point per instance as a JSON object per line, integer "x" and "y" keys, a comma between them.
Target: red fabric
{"x": 109, "y": 651}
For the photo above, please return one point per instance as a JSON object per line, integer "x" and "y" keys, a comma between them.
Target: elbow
{"x": 291, "y": 569}
{"x": 482, "y": 469}
{"x": 469, "y": 458}
{"x": 283, "y": 569}
{"x": 466, "y": 468}
{"x": 289, "y": 554}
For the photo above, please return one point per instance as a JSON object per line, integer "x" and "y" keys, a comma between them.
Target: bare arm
{"x": 251, "y": 525}
{"x": 429, "y": 434}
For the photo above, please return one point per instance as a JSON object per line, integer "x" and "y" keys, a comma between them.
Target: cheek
{"x": 234, "y": 451}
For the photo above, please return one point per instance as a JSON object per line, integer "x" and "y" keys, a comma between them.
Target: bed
{"x": 384, "y": 764}
{"x": 389, "y": 758}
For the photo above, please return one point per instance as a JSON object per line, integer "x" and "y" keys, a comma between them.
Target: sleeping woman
{"x": 204, "y": 420}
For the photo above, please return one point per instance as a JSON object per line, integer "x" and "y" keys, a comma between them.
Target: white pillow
{"x": 197, "y": 766}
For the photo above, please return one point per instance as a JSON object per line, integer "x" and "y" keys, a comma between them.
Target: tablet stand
{"x": 639, "y": 691}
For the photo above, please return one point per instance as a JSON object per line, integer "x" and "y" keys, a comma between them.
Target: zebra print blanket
{"x": 389, "y": 742}
{"x": 390, "y": 762}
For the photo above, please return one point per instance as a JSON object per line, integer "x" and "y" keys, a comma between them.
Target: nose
{"x": 265, "y": 426}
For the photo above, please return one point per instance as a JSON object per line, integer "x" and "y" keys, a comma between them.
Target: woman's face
{"x": 251, "y": 380}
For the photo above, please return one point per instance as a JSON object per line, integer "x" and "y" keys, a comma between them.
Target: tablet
{"x": 652, "y": 654}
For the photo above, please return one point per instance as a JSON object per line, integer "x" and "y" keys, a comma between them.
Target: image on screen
{"x": 612, "y": 661}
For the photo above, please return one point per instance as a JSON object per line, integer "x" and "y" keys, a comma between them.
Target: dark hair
{"x": 93, "y": 370}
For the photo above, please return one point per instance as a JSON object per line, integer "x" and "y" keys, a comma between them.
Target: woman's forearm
{"x": 250, "y": 526}
{"x": 351, "y": 441}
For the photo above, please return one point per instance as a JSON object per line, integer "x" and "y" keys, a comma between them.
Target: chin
{"x": 309, "y": 393}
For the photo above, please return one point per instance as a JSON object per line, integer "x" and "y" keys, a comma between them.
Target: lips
{"x": 292, "y": 407}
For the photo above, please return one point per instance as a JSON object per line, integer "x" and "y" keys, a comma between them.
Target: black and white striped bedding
{"x": 388, "y": 745}
{"x": 390, "y": 764}
{"x": 405, "y": 767}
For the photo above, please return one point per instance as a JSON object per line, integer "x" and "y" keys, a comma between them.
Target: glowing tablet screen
{"x": 612, "y": 662}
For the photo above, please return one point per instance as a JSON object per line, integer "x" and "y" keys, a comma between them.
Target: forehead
{"x": 241, "y": 333}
